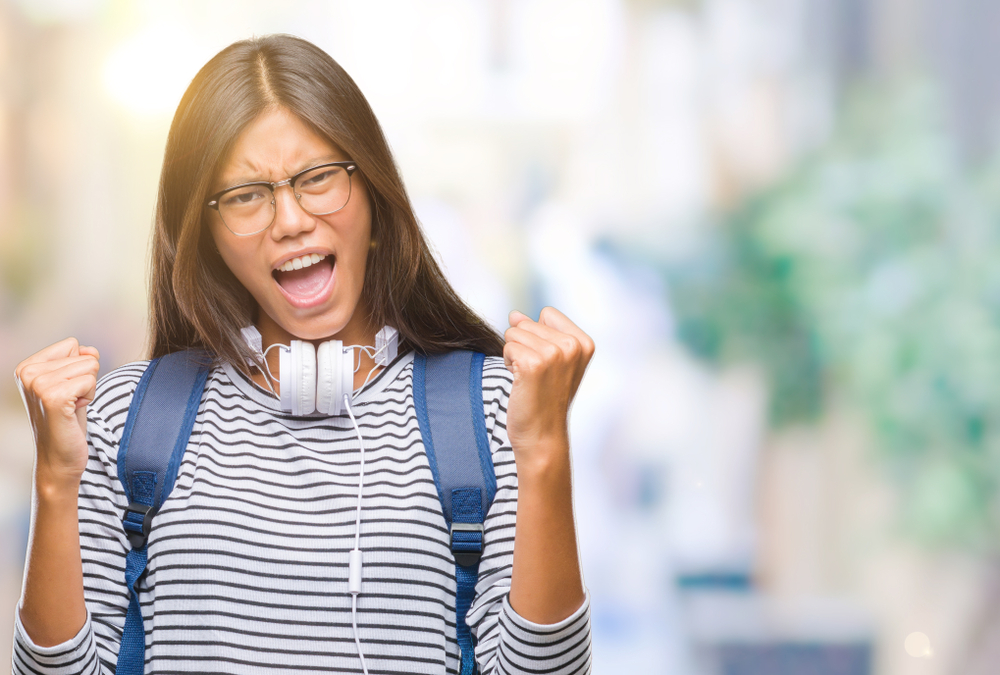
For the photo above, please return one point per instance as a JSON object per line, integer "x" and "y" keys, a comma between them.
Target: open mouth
{"x": 305, "y": 277}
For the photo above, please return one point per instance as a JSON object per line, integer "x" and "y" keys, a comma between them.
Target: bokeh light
{"x": 918, "y": 646}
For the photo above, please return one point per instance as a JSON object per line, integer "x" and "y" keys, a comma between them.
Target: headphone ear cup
{"x": 303, "y": 377}
{"x": 326, "y": 376}
{"x": 286, "y": 395}
{"x": 347, "y": 376}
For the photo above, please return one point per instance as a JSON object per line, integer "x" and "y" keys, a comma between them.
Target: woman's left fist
{"x": 548, "y": 358}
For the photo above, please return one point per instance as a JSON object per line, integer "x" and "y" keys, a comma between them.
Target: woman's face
{"x": 321, "y": 300}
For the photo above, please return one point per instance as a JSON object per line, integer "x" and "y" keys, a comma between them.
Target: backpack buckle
{"x": 137, "y": 521}
{"x": 467, "y": 543}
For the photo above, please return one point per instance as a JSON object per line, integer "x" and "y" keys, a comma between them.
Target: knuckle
{"x": 42, "y": 384}
{"x": 70, "y": 342}
{"x": 572, "y": 348}
{"x": 28, "y": 374}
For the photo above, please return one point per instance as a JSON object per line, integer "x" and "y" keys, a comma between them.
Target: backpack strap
{"x": 448, "y": 397}
{"x": 159, "y": 423}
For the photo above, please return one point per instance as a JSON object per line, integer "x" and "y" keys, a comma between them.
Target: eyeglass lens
{"x": 320, "y": 191}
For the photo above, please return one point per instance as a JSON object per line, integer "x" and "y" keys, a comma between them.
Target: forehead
{"x": 273, "y": 147}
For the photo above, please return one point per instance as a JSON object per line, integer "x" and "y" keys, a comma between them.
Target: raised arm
{"x": 56, "y": 384}
{"x": 548, "y": 359}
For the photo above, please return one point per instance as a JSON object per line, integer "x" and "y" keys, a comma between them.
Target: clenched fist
{"x": 56, "y": 384}
{"x": 548, "y": 358}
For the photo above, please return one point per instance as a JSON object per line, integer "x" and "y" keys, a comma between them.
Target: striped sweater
{"x": 248, "y": 556}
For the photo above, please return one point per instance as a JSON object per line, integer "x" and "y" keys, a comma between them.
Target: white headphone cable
{"x": 372, "y": 354}
{"x": 269, "y": 377}
{"x": 354, "y": 573}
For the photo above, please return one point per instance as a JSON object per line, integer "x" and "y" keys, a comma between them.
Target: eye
{"x": 244, "y": 196}
{"x": 319, "y": 177}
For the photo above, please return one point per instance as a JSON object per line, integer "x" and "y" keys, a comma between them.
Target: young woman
{"x": 248, "y": 556}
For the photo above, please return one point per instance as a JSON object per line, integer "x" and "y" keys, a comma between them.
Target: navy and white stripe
{"x": 248, "y": 556}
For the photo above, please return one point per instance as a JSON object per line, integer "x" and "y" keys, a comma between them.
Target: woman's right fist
{"x": 56, "y": 384}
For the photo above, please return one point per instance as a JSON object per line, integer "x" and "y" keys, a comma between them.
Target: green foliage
{"x": 873, "y": 271}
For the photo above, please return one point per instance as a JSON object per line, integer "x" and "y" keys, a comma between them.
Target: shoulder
{"x": 120, "y": 382}
{"x": 495, "y": 373}
{"x": 114, "y": 390}
{"x": 497, "y": 381}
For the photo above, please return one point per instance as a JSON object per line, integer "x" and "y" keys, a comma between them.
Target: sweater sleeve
{"x": 506, "y": 643}
{"x": 76, "y": 655}
{"x": 102, "y": 546}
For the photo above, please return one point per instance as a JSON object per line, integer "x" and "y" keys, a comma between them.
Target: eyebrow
{"x": 244, "y": 178}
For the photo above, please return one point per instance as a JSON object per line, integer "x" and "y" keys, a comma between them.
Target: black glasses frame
{"x": 213, "y": 200}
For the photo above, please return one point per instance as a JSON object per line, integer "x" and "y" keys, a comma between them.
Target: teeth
{"x": 300, "y": 262}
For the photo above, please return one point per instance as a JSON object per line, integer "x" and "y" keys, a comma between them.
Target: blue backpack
{"x": 448, "y": 396}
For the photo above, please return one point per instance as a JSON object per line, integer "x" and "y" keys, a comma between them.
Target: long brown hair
{"x": 195, "y": 301}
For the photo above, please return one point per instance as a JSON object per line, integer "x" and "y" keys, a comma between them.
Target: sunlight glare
{"x": 148, "y": 73}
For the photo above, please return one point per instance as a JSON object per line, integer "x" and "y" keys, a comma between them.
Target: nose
{"x": 290, "y": 219}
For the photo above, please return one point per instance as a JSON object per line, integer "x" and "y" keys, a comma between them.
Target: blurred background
{"x": 777, "y": 218}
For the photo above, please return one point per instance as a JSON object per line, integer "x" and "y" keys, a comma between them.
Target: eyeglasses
{"x": 249, "y": 208}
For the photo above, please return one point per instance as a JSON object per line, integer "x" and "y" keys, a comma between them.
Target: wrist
{"x": 542, "y": 460}
{"x": 56, "y": 486}
{"x": 539, "y": 442}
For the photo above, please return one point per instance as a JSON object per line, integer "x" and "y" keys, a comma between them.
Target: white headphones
{"x": 317, "y": 379}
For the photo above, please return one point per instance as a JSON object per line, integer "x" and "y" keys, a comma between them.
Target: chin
{"x": 317, "y": 328}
